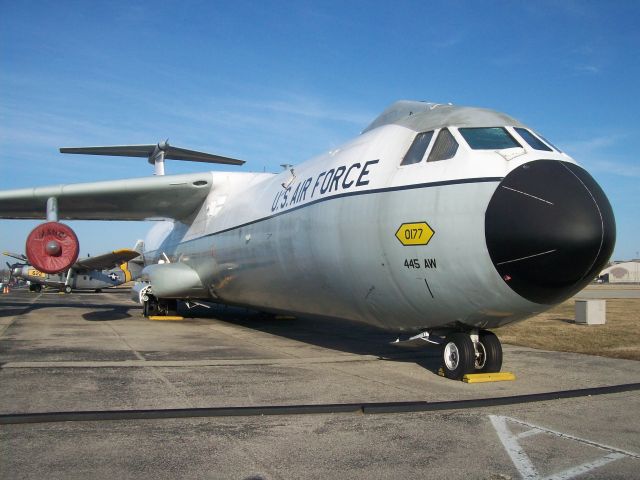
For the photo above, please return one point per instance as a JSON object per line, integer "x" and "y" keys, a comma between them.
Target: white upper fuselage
{"x": 321, "y": 239}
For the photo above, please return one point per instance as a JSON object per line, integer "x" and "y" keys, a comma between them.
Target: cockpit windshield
{"x": 488, "y": 138}
{"x": 532, "y": 140}
{"x": 418, "y": 148}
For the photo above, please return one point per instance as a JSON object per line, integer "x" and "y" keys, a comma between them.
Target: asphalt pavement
{"x": 95, "y": 352}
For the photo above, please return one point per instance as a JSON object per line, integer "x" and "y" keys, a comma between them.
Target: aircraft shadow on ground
{"x": 105, "y": 312}
{"x": 334, "y": 334}
{"x": 114, "y": 313}
{"x": 571, "y": 321}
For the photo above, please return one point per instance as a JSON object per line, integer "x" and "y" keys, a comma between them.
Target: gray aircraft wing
{"x": 17, "y": 256}
{"x": 168, "y": 196}
{"x": 106, "y": 261}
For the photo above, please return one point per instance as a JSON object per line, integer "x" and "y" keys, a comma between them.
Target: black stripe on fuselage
{"x": 350, "y": 194}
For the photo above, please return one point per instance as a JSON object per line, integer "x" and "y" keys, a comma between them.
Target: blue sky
{"x": 278, "y": 82}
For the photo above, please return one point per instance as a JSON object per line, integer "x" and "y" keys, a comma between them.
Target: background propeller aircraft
{"x": 92, "y": 273}
{"x": 438, "y": 222}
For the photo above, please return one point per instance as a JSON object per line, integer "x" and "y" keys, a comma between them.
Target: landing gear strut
{"x": 478, "y": 352}
{"x": 159, "y": 306}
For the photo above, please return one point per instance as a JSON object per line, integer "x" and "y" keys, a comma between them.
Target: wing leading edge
{"x": 106, "y": 261}
{"x": 169, "y": 196}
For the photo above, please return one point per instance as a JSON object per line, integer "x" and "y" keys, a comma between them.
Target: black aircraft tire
{"x": 458, "y": 356}
{"x": 493, "y": 352}
{"x": 67, "y": 289}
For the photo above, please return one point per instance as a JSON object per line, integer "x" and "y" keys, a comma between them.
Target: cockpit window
{"x": 533, "y": 141}
{"x": 548, "y": 142}
{"x": 417, "y": 148}
{"x": 444, "y": 148}
{"x": 492, "y": 138}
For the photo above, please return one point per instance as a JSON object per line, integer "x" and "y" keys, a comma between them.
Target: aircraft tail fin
{"x": 139, "y": 246}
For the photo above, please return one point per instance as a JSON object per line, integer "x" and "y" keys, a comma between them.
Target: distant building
{"x": 625, "y": 272}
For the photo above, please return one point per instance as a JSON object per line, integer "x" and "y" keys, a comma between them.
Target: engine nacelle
{"x": 140, "y": 292}
{"x": 52, "y": 247}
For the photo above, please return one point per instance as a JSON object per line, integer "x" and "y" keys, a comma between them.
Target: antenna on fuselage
{"x": 288, "y": 166}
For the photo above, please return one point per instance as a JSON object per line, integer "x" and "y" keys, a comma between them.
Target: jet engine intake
{"x": 52, "y": 247}
{"x": 140, "y": 292}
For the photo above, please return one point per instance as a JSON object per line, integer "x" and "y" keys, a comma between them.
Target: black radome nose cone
{"x": 549, "y": 230}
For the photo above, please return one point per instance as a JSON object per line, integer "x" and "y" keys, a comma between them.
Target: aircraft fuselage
{"x": 345, "y": 234}
{"x": 78, "y": 280}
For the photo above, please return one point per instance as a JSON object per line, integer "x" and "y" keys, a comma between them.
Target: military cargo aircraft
{"x": 438, "y": 223}
{"x": 91, "y": 273}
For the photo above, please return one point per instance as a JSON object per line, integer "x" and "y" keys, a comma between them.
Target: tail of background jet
{"x": 135, "y": 265}
{"x": 139, "y": 247}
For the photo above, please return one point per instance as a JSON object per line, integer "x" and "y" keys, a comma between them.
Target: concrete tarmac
{"x": 90, "y": 351}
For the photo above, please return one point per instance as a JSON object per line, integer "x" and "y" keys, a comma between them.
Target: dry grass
{"x": 556, "y": 330}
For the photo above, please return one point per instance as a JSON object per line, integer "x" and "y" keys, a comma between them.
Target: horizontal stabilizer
{"x": 148, "y": 151}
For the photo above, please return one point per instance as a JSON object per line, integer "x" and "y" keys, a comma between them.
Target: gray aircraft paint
{"x": 297, "y": 259}
{"x": 297, "y": 242}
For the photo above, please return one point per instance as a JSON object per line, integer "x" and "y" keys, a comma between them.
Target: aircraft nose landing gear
{"x": 475, "y": 352}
